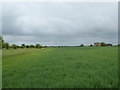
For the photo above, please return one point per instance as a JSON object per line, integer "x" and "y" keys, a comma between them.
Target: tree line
{"x": 7, "y": 45}
{"x": 14, "y": 46}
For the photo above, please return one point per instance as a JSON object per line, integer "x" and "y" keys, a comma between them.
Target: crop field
{"x": 65, "y": 67}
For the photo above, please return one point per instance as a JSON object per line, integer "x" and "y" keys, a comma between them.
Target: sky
{"x": 60, "y": 23}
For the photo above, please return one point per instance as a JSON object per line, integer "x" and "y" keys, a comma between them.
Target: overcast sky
{"x": 60, "y": 23}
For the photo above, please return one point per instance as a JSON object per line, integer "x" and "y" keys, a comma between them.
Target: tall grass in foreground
{"x": 66, "y": 67}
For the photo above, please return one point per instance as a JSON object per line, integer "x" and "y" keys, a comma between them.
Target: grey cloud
{"x": 60, "y": 23}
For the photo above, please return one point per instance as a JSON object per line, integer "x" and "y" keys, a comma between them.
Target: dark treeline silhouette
{"x": 14, "y": 46}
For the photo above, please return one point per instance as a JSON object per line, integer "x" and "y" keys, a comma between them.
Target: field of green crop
{"x": 66, "y": 67}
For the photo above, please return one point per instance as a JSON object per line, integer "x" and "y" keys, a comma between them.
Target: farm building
{"x": 97, "y": 44}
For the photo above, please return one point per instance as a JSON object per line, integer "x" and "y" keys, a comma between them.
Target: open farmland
{"x": 65, "y": 67}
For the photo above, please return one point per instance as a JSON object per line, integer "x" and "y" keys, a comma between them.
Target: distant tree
{"x": 58, "y": 46}
{"x": 27, "y": 46}
{"x": 38, "y": 46}
{"x": 91, "y": 45}
{"x": 1, "y": 39}
{"x": 82, "y": 45}
{"x": 2, "y": 43}
{"x": 10, "y": 46}
{"x": 6, "y": 45}
{"x": 14, "y": 46}
{"x": 18, "y": 46}
{"x": 45, "y": 46}
{"x": 23, "y": 46}
{"x": 103, "y": 44}
{"x": 109, "y": 45}
{"x": 32, "y": 46}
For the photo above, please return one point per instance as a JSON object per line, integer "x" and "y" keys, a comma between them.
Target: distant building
{"x": 97, "y": 44}
{"x": 102, "y": 44}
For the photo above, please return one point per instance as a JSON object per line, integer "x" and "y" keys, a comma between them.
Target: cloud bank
{"x": 60, "y": 23}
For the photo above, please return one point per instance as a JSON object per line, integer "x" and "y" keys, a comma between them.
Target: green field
{"x": 66, "y": 67}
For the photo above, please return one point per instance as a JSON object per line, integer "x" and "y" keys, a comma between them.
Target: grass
{"x": 67, "y": 67}
{"x": 0, "y": 69}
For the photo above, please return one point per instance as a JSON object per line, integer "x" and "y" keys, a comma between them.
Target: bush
{"x": 103, "y": 44}
{"x": 27, "y": 46}
{"x": 14, "y": 46}
{"x": 81, "y": 45}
